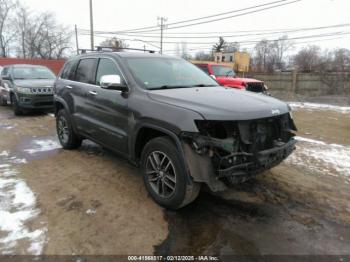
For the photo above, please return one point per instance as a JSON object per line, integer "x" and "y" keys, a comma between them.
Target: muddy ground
{"x": 90, "y": 201}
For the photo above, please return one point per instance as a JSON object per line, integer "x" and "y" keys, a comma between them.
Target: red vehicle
{"x": 225, "y": 76}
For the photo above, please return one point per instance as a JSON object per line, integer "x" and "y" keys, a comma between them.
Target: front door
{"x": 111, "y": 110}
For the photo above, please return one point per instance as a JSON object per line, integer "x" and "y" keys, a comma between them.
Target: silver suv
{"x": 27, "y": 87}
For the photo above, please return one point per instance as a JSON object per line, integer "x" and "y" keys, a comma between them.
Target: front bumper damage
{"x": 227, "y": 153}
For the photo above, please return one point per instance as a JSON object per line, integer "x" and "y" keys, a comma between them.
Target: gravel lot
{"x": 90, "y": 201}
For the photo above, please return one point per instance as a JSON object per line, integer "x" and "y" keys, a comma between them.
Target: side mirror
{"x": 213, "y": 76}
{"x": 113, "y": 82}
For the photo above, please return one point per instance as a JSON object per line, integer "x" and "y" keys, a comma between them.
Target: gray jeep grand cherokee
{"x": 172, "y": 120}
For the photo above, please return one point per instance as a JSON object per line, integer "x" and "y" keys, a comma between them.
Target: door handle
{"x": 69, "y": 87}
{"x": 93, "y": 93}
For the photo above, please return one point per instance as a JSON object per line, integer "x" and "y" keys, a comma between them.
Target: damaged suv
{"x": 168, "y": 117}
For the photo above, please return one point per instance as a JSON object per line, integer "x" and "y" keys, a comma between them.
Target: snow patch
{"x": 91, "y": 211}
{"x": 313, "y": 106}
{"x": 4, "y": 153}
{"x": 315, "y": 155}
{"x": 17, "y": 208}
{"x": 43, "y": 146}
{"x": 7, "y": 127}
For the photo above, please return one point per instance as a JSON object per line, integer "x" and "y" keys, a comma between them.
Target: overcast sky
{"x": 114, "y": 15}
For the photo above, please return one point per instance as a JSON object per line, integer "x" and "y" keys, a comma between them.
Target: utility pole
{"x": 92, "y": 27}
{"x": 76, "y": 38}
{"x": 161, "y": 23}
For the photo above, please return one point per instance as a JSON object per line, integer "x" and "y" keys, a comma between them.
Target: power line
{"x": 247, "y": 41}
{"x": 220, "y": 14}
{"x": 137, "y": 30}
{"x": 228, "y": 17}
{"x": 250, "y": 34}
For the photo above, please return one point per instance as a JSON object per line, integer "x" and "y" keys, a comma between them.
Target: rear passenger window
{"x": 86, "y": 71}
{"x": 106, "y": 67}
{"x": 68, "y": 70}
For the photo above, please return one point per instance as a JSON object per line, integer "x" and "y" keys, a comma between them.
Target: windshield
{"x": 30, "y": 72}
{"x": 158, "y": 72}
{"x": 223, "y": 70}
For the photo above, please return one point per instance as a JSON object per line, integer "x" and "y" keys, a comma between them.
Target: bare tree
{"x": 7, "y": 34}
{"x": 184, "y": 51}
{"x": 262, "y": 52}
{"x": 279, "y": 49}
{"x": 232, "y": 47}
{"x": 203, "y": 56}
{"x": 269, "y": 56}
{"x": 341, "y": 60}
{"x": 41, "y": 36}
{"x": 22, "y": 21}
{"x": 308, "y": 59}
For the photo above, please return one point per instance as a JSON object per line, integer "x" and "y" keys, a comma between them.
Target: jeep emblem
{"x": 275, "y": 111}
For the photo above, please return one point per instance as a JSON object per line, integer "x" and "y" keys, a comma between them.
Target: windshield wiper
{"x": 172, "y": 87}
{"x": 201, "y": 85}
{"x": 167, "y": 87}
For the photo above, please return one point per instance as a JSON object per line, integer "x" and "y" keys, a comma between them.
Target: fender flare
{"x": 173, "y": 137}
{"x": 66, "y": 107}
{"x": 62, "y": 102}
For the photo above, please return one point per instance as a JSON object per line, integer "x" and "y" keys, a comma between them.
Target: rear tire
{"x": 65, "y": 132}
{"x": 16, "y": 108}
{"x": 165, "y": 176}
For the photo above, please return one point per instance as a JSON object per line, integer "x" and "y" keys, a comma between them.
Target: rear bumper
{"x": 35, "y": 101}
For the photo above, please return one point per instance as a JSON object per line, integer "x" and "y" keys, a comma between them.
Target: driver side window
{"x": 106, "y": 67}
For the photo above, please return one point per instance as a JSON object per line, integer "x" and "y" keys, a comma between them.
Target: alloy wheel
{"x": 161, "y": 174}
{"x": 63, "y": 131}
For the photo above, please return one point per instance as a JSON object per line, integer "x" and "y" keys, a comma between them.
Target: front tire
{"x": 16, "y": 108}
{"x": 165, "y": 176}
{"x": 65, "y": 132}
{"x": 3, "y": 102}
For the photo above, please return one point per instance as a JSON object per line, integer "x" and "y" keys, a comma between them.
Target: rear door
{"x": 82, "y": 91}
{"x": 111, "y": 109}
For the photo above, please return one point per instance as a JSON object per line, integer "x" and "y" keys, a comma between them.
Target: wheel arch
{"x": 60, "y": 104}
{"x": 147, "y": 132}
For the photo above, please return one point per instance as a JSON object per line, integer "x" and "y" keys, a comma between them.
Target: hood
{"x": 48, "y": 83}
{"x": 219, "y": 103}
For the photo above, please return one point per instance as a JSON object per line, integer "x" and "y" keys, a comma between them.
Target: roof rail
{"x": 114, "y": 49}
